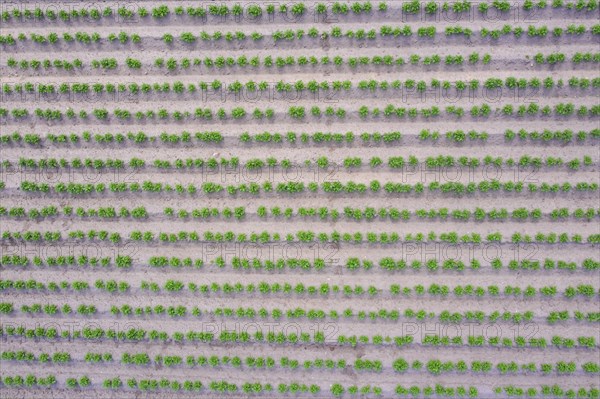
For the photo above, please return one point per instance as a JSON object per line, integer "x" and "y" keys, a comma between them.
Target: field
{"x": 261, "y": 199}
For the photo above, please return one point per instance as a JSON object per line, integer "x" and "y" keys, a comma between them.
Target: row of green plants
{"x": 555, "y": 391}
{"x": 400, "y": 365}
{"x": 276, "y": 314}
{"x": 111, "y": 286}
{"x": 300, "y": 236}
{"x": 437, "y": 367}
{"x": 208, "y": 188}
{"x": 24, "y": 356}
{"x": 532, "y": 31}
{"x": 394, "y": 290}
{"x": 116, "y": 384}
{"x": 272, "y": 338}
{"x": 52, "y": 211}
{"x": 294, "y": 388}
{"x": 438, "y": 390}
{"x": 336, "y": 32}
{"x": 503, "y": 6}
{"x": 565, "y": 136}
{"x": 394, "y": 162}
{"x": 298, "y": 86}
{"x": 300, "y": 112}
{"x": 53, "y": 309}
{"x": 323, "y": 213}
{"x": 434, "y": 265}
{"x": 30, "y": 381}
{"x": 389, "y": 264}
{"x": 119, "y": 261}
{"x": 294, "y": 138}
{"x": 252, "y": 12}
{"x": 255, "y": 11}
{"x": 554, "y": 58}
{"x": 386, "y": 263}
{"x": 263, "y": 288}
{"x": 139, "y": 138}
{"x": 545, "y": 136}
{"x": 222, "y": 387}
{"x": 281, "y": 62}
{"x": 256, "y": 61}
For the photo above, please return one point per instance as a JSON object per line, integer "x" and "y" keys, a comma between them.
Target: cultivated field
{"x": 262, "y": 199}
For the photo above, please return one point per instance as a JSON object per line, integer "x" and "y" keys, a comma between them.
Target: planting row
{"x": 456, "y": 136}
{"x": 485, "y": 186}
{"x": 115, "y": 384}
{"x": 432, "y": 265}
{"x": 336, "y": 32}
{"x": 411, "y": 86}
{"x": 242, "y": 61}
{"x": 400, "y": 365}
{"x": 220, "y": 62}
{"x": 582, "y": 291}
{"x": 299, "y": 112}
{"x": 51, "y": 309}
{"x": 372, "y": 291}
{"x": 294, "y": 388}
{"x": 141, "y": 138}
{"x": 272, "y": 338}
{"x": 304, "y": 236}
{"x": 395, "y": 162}
{"x": 223, "y": 387}
{"x": 546, "y": 390}
{"x": 255, "y": 12}
{"x": 323, "y": 213}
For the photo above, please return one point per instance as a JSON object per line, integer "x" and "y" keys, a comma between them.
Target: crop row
{"x": 323, "y": 213}
{"x": 305, "y": 236}
{"x": 555, "y": 391}
{"x": 336, "y": 32}
{"x": 127, "y": 310}
{"x": 272, "y": 338}
{"x": 432, "y": 265}
{"x": 224, "y": 387}
{"x": 242, "y": 61}
{"x": 299, "y": 86}
{"x": 268, "y": 61}
{"x": 400, "y": 365}
{"x": 278, "y": 314}
{"x": 112, "y": 286}
{"x": 547, "y": 135}
{"x": 116, "y": 384}
{"x": 255, "y": 12}
{"x": 300, "y": 112}
{"x": 136, "y": 138}
{"x": 347, "y": 290}
{"x": 394, "y": 162}
{"x": 357, "y": 214}
{"x": 395, "y": 290}
{"x": 485, "y": 186}
{"x": 81, "y": 261}
{"x": 141, "y": 138}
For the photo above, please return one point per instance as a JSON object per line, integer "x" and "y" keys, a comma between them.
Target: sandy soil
{"x": 510, "y": 57}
